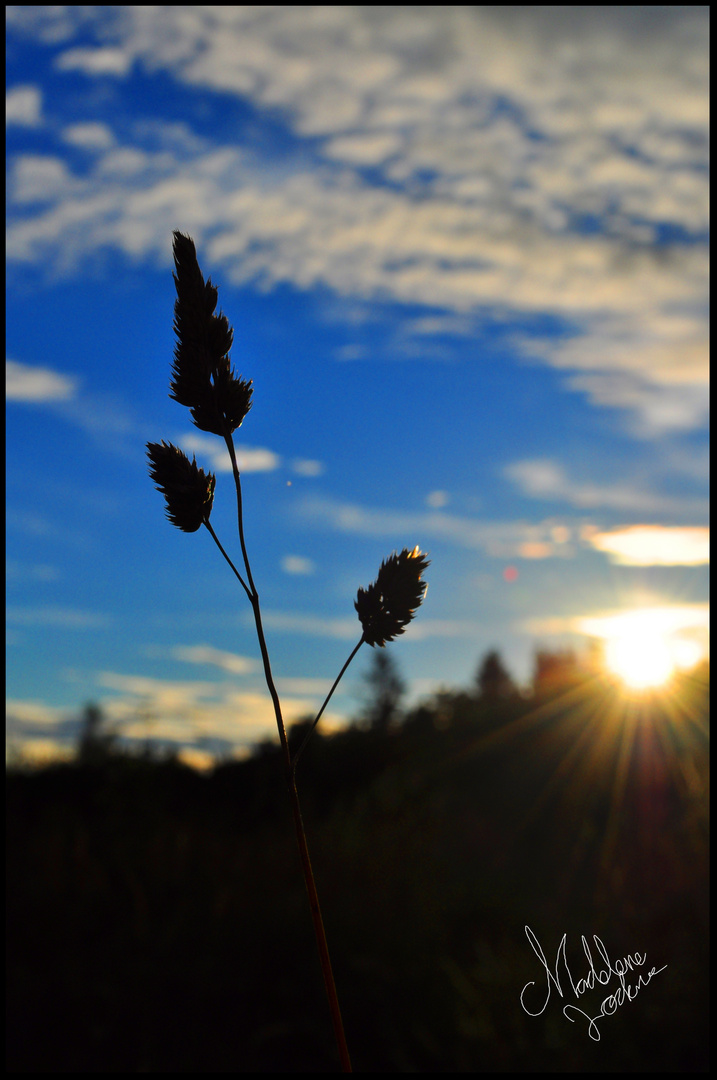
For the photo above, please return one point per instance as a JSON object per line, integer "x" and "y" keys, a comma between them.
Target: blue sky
{"x": 465, "y": 255}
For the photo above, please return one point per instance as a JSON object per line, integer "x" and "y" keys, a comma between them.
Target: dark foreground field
{"x": 157, "y": 920}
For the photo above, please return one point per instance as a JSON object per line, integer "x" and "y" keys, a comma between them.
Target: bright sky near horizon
{"x": 464, "y": 251}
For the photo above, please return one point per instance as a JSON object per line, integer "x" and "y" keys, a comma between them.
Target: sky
{"x": 464, "y": 251}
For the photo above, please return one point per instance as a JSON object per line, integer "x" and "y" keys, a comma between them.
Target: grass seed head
{"x": 202, "y": 378}
{"x": 187, "y": 489}
{"x": 386, "y": 608}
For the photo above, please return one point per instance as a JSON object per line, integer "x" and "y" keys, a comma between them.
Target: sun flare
{"x": 641, "y": 663}
{"x": 645, "y": 647}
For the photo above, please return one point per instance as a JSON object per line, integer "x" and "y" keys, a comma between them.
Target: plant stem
{"x": 309, "y": 733}
{"x": 217, "y": 542}
{"x": 321, "y": 942}
{"x": 240, "y": 516}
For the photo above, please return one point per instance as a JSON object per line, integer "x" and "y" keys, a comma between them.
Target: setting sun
{"x": 640, "y": 663}
{"x": 644, "y": 647}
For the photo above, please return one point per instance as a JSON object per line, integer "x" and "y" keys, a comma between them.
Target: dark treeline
{"x": 157, "y": 920}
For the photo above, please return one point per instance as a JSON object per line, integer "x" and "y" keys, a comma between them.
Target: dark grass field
{"x": 157, "y": 919}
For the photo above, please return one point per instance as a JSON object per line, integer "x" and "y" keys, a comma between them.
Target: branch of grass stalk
{"x": 218, "y": 543}
{"x": 310, "y": 732}
{"x": 240, "y": 515}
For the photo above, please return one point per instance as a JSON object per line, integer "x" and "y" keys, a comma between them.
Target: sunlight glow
{"x": 646, "y": 646}
{"x": 640, "y": 663}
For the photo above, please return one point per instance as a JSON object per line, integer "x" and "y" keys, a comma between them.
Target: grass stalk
{"x": 219, "y": 400}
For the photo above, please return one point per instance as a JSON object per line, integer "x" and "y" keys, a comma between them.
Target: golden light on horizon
{"x": 645, "y": 647}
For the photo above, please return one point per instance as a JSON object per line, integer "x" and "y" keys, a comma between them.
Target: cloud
{"x": 544, "y": 478}
{"x": 297, "y": 564}
{"x": 37, "y": 384}
{"x": 23, "y": 106}
{"x": 659, "y": 409}
{"x": 660, "y": 371}
{"x": 308, "y": 467}
{"x": 89, "y": 136}
{"x": 48, "y": 24}
{"x": 474, "y": 159}
{"x": 661, "y": 619}
{"x": 196, "y": 714}
{"x": 364, "y": 148}
{"x": 102, "y": 416}
{"x": 17, "y": 573}
{"x": 312, "y": 625}
{"x": 34, "y": 713}
{"x": 667, "y": 619}
{"x": 249, "y": 459}
{"x": 498, "y": 539}
{"x": 349, "y": 629}
{"x": 655, "y": 545}
{"x": 95, "y": 61}
{"x": 53, "y": 615}
{"x": 206, "y": 654}
{"x": 311, "y": 688}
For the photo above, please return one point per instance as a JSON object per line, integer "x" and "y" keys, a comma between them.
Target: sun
{"x": 641, "y": 663}
{"x": 646, "y": 646}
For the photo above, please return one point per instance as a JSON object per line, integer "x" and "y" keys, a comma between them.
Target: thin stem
{"x": 321, "y": 942}
{"x": 217, "y": 542}
{"x": 240, "y": 516}
{"x": 310, "y": 732}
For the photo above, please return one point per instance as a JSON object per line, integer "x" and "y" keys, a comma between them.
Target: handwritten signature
{"x": 620, "y": 968}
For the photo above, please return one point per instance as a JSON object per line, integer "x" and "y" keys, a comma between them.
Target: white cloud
{"x": 543, "y": 478}
{"x": 662, "y": 618}
{"x": 308, "y": 467}
{"x": 91, "y": 136}
{"x": 206, "y": 654}
{"x": 95, "y": 61}
{"x": 53, "y": 615}
{"x": 36, "y": 384}
{"x": 297, "y": 564}
{"x": 49, "y": 24}
{"x": 659, "y": 409}
{"x": 498, "y": 539}
{"x": 364, "y": 148}
{"x": 528, "y": 159}
{"x": 256, "y": 459}
{"x": 23, "y": 106}
{"x": 655, "y": 545}
{"x": 38, "y": 178}
{"x": 249, "y": 458}
{"x": 33, "y": 713}
{"x": 312, "y": 625}
{"x": 668, "y": 620}
{"x": 192, "y": 713}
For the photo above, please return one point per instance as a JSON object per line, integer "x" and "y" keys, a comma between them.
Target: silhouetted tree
{"x": 492, "y": 677}
{"x": 553, "y": 670}
{"x": 385, "y": 690}
{"x": 95, "y": 743}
